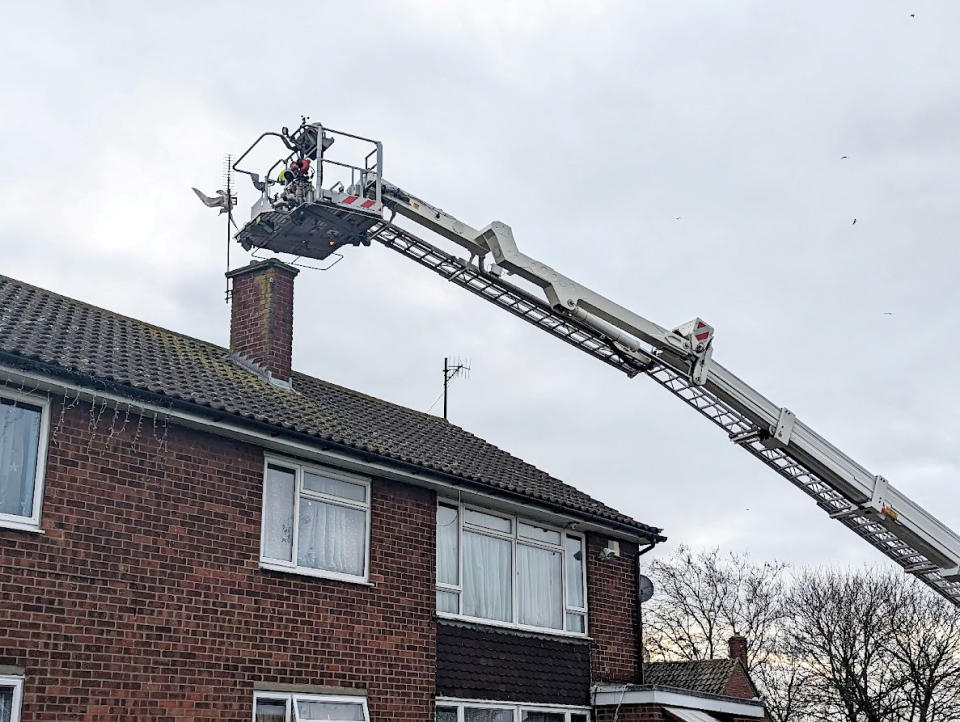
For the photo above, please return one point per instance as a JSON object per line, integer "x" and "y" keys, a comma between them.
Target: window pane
{"x": 487, "y": 577}
{"x": 331, "y": 537}
{"x": 334, "y": 487}
{"x": 539, "y": 587}
{"x": 271, "y": 710}
{"x": 446, "y": 714}
{"x": 488, "y": 521}
{"x": 471, "y": 714}
{"x": 574, "y": 549}
{"x": 6, "y": 704}
{"x": 529, "y": 716}
{"x": 447, "y": 602}
{"x": 574, "y": 717}
{"x": 278, "y": 512}
{"x": 538, "y": 533}
{"x": 575, "y": 623}
{"x": 19, "y": 442}
{"x": 340, "y": 711}
{"x": 448, "y": 551}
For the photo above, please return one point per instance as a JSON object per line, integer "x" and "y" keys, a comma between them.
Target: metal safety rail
{"x": 717, "y": 399}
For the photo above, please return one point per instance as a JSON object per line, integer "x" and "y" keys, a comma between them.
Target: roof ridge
{"x": 67, "y": 333}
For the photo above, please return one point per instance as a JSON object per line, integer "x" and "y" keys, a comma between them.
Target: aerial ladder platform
{"x": 313, "y": 204}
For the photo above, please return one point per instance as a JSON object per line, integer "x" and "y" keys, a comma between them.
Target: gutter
{"x": 603, "y": 695}
{"x": 194, "y": 415}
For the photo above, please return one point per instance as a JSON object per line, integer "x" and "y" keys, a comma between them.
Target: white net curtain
{"x": 19, "y": 440}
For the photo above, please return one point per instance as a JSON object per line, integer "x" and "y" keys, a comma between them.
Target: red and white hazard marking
{"x": 368, "y": 204}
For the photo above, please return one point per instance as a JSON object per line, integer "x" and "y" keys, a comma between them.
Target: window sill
{"x": 514, "y": 627}
{"x": 27, "y": 526}
{"x": 317, "y": 574}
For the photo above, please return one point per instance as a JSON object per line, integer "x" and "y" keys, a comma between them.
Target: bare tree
{"x": 925, "y": 643}
{"x": 862, "y": 646}
{"x": 840, "y": 634}
{"x": 785, "y": 686}
{"x": 704, "y": 598}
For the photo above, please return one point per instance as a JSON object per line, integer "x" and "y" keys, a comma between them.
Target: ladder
{"x": 741, "y": 429}
{"x": 320, "y": 220}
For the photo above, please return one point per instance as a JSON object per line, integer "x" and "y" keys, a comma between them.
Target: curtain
{"x": 19, "y": 441}
{"x": 539, "y": 587}
{"x": 446, "y": 714}
{"x": 332, "y": 537}
{"x": 340, "y": 711}
{"x": 6, "y": 705}
{"x": 271, "y": 711}
{"x": 487, "y": 715}
{"x": 487, "y": 577}
{"x": 278, "y": 509}
{"x": 448, "y": 532}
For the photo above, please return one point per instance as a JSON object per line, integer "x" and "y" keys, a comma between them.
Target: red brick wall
{"x": 143, "y": 600}
{"x": 611, "y": 591}
{"x": 739, "y": 684}
{"x": 261, "y": 315}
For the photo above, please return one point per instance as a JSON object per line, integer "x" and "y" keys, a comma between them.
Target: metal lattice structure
{"x": 739, "y": 428}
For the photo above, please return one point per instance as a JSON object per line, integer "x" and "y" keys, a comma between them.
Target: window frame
{"x": 518, "y": 708}
{"x": 516, "y": 540}
{"x": 16, "y": 521}
{"x": 291, "y": 699}
{"x": 15, "y": 682}
{"x": 300, "y": 468}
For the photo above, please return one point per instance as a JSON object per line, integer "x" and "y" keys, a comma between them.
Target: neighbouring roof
{"x": 709, "y": 676}
{"x": 74, "y": 338}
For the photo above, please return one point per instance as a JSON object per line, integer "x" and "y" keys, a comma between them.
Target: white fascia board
{"x": 618, "y": 694}
{"x": 209, "y": 423}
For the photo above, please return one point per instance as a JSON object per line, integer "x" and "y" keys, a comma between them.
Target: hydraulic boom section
{"x": 298, "y": 214}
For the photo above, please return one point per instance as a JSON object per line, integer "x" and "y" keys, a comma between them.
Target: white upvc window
{"x": 506, "y": 570}
{"x": 315, "y": 521}
{"x": 295, "y": 707}
{"x": 24, "y": 423}
{"x": 11, "y": 697}
{"x": 459, "y": 711}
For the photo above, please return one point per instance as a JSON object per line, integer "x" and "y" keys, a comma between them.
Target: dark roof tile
{"x": 707, "y": 675}
{"x": 72, "y": 336}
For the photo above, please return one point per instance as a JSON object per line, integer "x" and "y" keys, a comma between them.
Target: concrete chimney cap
{"x": 263, "y": 265}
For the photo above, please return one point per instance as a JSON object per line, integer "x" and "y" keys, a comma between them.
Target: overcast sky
{"x": 683, "y": 158}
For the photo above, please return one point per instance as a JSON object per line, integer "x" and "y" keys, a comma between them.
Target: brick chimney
{"x": 738, "y": 648}
{"x": 261, "y": 315}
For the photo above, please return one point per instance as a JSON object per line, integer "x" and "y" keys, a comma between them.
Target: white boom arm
{"x": 865, "y": 502}
{"x": 311, "y": 220}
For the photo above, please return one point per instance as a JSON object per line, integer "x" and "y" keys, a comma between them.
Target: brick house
{"x": 710, "y": 690}
{"x": 189, "y": 532}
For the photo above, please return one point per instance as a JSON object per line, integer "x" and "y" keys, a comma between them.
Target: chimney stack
{"x": 738, "y": 649}
{"x": 261, "y": 315}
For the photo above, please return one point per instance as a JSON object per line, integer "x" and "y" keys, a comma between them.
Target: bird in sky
{"x": 854, "y": 222}
{"x": 677, "y": 218}
{"x": 843, "y": 157}
{"x": 913, "y": 15}
{"x": 888, "y": 313}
